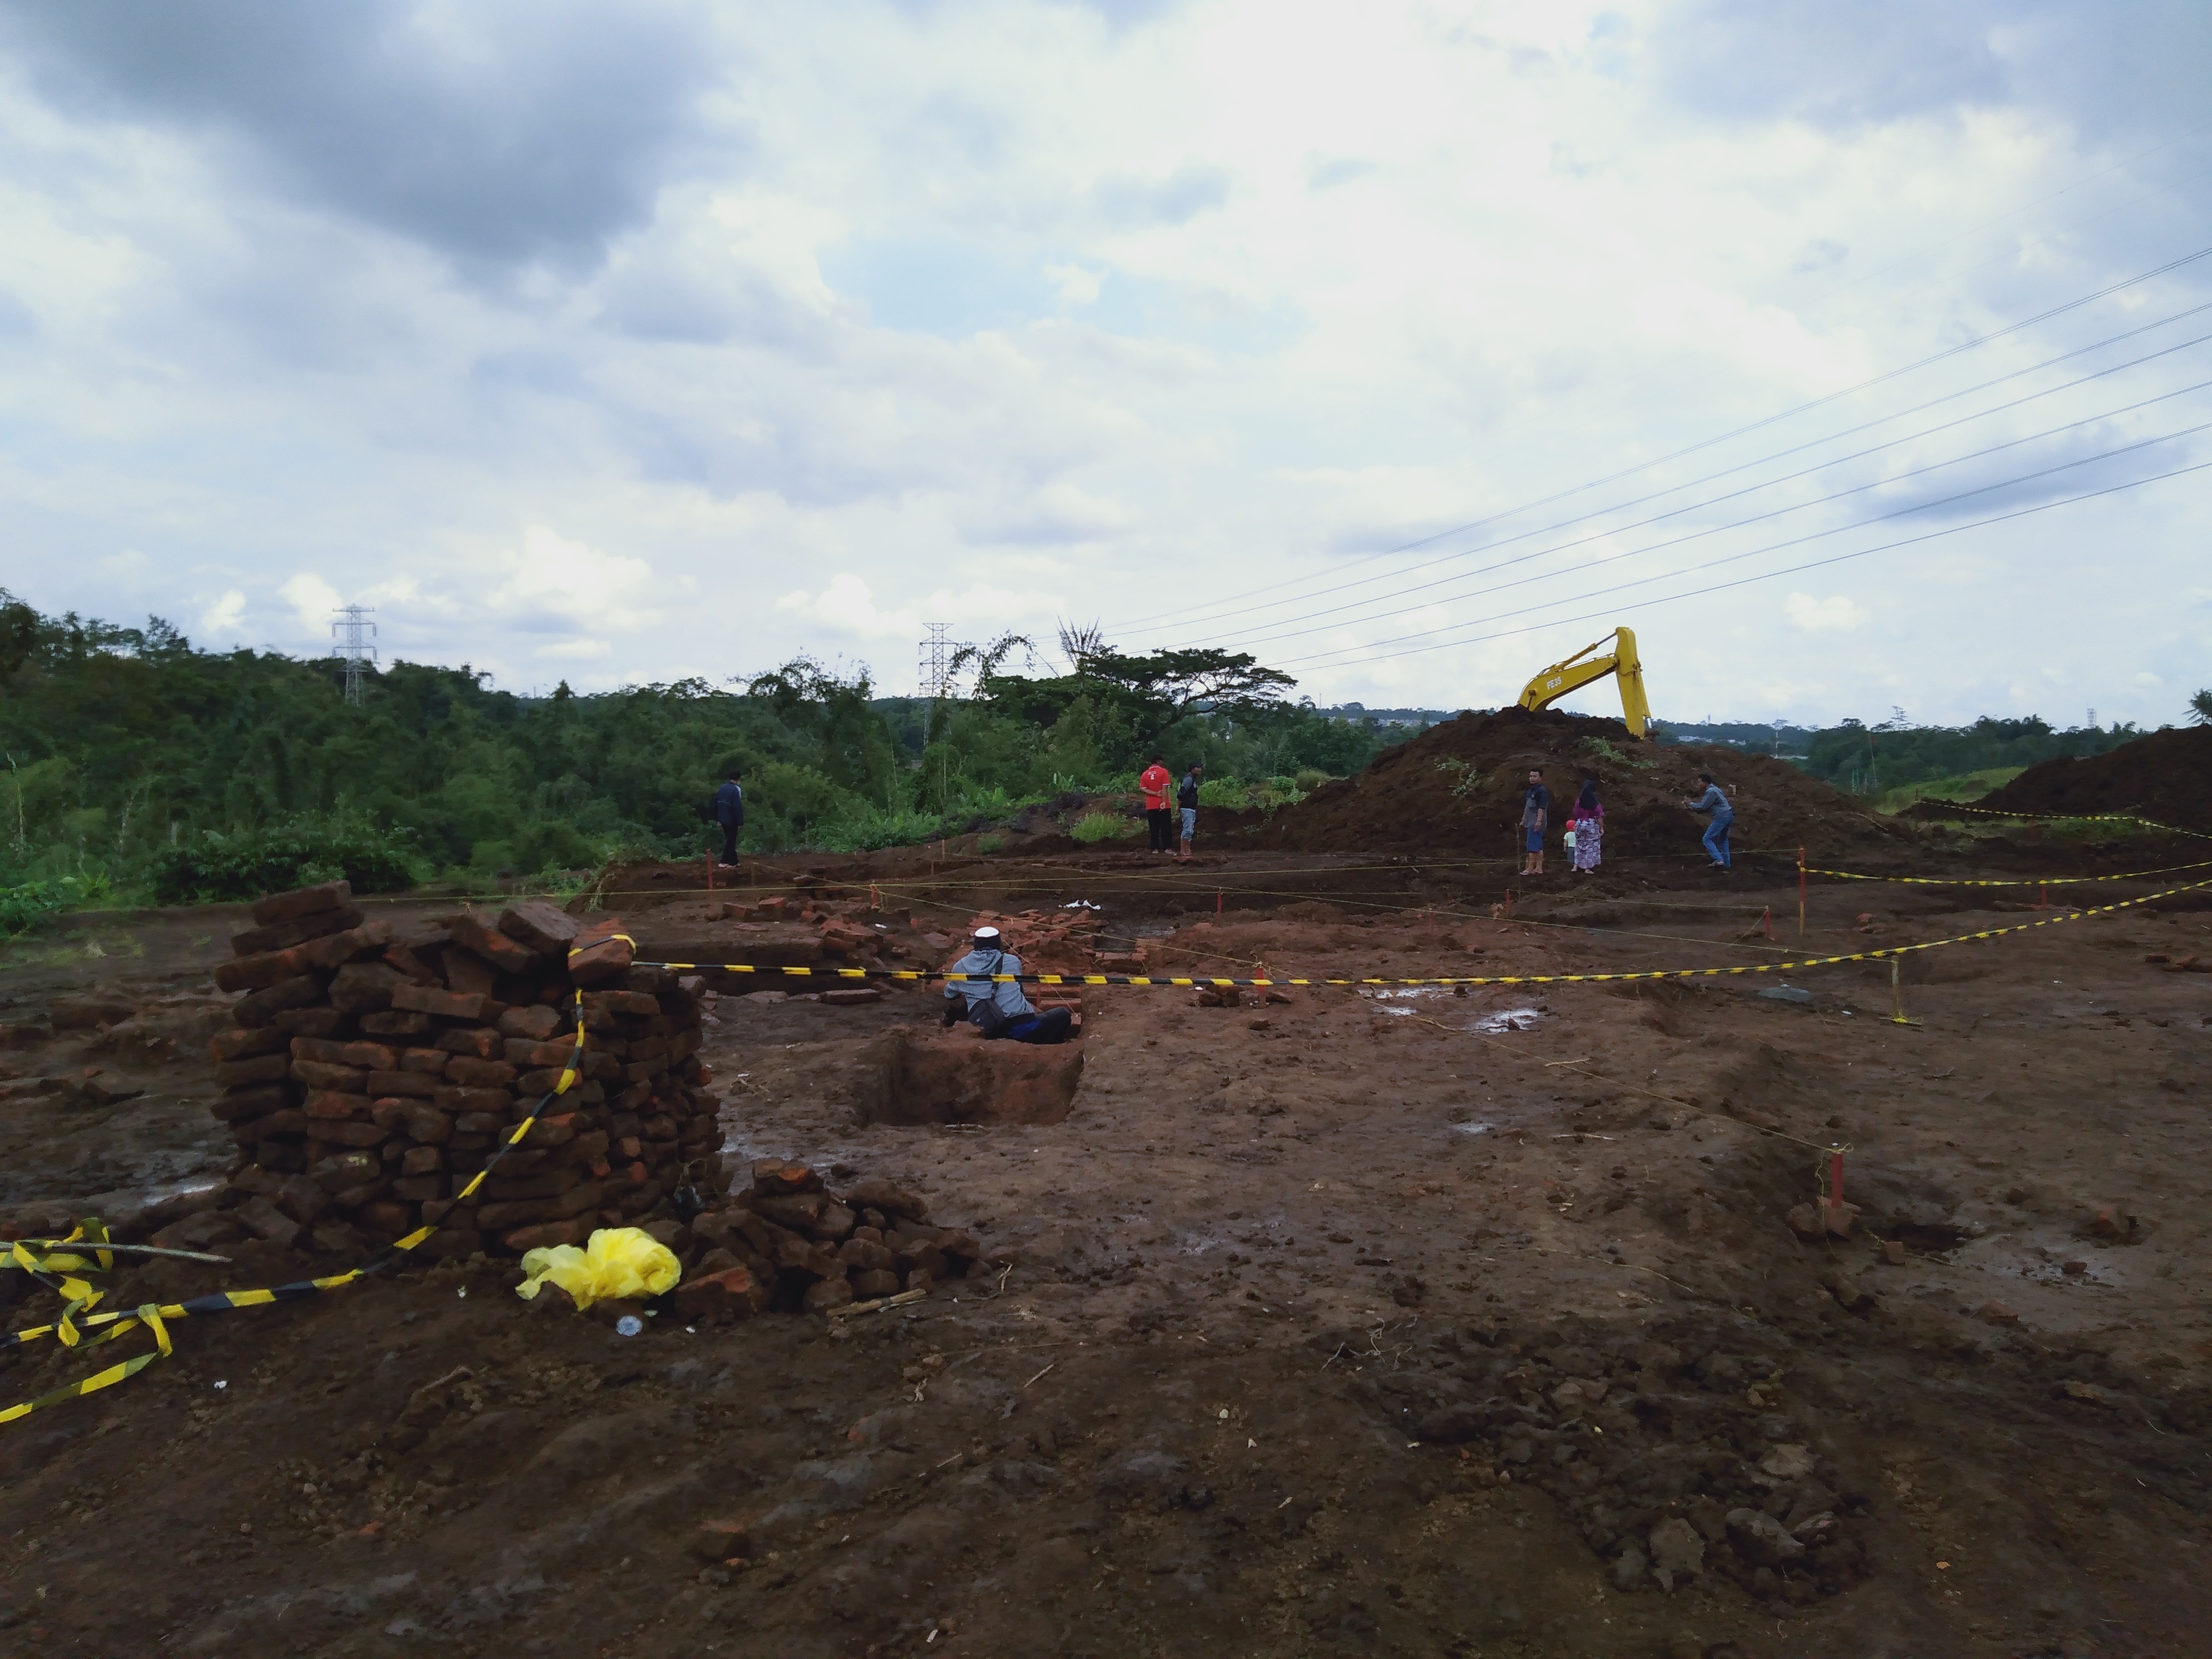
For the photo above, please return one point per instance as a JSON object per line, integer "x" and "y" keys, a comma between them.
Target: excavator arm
{"x": 1579, "y": 670}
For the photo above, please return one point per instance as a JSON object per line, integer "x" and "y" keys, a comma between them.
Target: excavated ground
{"x": 1365, "y": 1323}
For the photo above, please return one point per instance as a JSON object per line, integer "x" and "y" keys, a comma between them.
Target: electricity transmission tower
{"x": 352, "y": 635}
{"x": 936, "y": 674}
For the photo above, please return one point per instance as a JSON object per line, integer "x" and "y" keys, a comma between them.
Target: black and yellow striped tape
{"x": 930, "y": 976}
{"x": 2016, "y": 881}
{"x": 2059, "y": 817}
{"x": 76, "y": 1321}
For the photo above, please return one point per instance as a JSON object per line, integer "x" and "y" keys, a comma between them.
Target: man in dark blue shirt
{"x": 1535, "y": 811}
{"x": 730, "y": 813}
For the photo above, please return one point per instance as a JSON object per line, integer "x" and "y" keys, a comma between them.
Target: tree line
{"x": 138, "y": 765}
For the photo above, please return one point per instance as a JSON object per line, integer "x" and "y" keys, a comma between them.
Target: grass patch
{"x": 1104, "y": 826}
{"x": 1965, "y": 786}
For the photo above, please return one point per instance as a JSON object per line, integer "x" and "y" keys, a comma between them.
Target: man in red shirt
{"x": 1155, "y": 781}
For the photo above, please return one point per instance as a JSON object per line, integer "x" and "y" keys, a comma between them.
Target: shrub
{"x": 213, "y": 865}
{"x": 24, "y": 905}
{"x": 1104, "y": 826}
{"x": 1310, "y": 779}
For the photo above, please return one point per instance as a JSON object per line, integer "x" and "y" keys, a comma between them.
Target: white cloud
{"x": 220, "y": 621}
{"x": 1834, "y": 615}
{"x": 846, "y": 606}
{"x": 1075, "y": 285}
{"x": 995, "y": 315}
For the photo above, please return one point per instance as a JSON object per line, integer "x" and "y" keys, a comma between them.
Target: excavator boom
{"x": 1580, "y": 668}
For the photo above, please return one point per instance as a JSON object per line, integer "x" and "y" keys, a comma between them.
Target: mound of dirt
{"x": 1458, "y": 788}
{"x": 2165, "y": 776}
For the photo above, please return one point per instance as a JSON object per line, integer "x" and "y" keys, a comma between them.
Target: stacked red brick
{"x": 374, "y": 1069}
{"x": 789, "y": 1242}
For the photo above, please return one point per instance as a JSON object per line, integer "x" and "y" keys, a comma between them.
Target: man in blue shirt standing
{"x": 1717, "y": 832}
{"x": 1535, "y": 813}
{"x": 730, "y": 813}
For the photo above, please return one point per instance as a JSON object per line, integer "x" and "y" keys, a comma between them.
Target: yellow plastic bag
{"x": 617, "y": 1262}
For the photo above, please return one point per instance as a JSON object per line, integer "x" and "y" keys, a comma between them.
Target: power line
{"x": 1710, "y": 530}
{"x": 1791, "y": 570}
{"x": 1811, "y": 443}
{"x": 1878, "y": 380}
{"x": 1794, "y": 541}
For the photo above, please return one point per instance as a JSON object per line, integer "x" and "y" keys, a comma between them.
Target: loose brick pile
{"x": 788, "y": 1243}
{"x": 372, "y": 1070}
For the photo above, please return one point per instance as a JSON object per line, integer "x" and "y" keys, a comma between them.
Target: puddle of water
{"x": 1507, "y": 1019}
{"x": 1381, "y": 993}
{"x": 1472, "y": 1129}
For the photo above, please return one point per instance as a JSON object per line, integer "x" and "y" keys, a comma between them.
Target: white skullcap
{"x": 987, "y": 932}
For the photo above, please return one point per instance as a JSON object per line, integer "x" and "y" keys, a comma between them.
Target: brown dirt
{"x": 1459, "y": 785}
{"x": 1368, "y": 1323}
{"x": 2165, "y": 776}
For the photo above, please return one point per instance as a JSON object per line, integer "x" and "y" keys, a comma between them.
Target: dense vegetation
{"x": 1873, "y": 760}
{"x": 138, "y": 765}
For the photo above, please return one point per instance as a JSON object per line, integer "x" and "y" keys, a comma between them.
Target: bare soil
{"x": 1380, "y": 1320}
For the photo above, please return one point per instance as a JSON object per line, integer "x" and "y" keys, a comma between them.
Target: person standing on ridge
{"x": 1535, "y": 813}
{"x": 1717, "y": 832}
{"x": 1586, "y": 824}
{"x": 1156, "y": 780}
{"x": 1186, "y": 799}
{"x": 730, "y": 813}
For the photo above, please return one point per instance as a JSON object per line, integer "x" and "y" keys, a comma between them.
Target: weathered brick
{"x": 247, "y": 1105}
{"x": 452, "y": 1099}
{"x": 535, "y": 1021}
{"x": 420, "y": 1084}
{"x": 452, "y": 1005}
{"x": 239, "y": 1044}
{"x": 365, "y": 988}
{"x": 494, "y": 947}
{"x": 317, "y": 1075}
{"x": 330, "y": 1105}
{"x": 302, "y": 902}
{"x": 285, "y": 934}
{"x": 480, "y": 1074}
{"x": 542, "y": 927}
{"x": 483, "y": 1042}
{"x": 262, "y": 1007}
{"x": 261, "y": 1068}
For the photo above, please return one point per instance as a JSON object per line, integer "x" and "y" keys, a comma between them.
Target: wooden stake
{"x": 1800, "y": 892}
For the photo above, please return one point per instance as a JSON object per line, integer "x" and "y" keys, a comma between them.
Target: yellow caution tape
{"x": 919, "y": 976}
{"x": 76, "y": 1319}
{"x": 2060, "y": 817}
{"x": 2019, "y": 881}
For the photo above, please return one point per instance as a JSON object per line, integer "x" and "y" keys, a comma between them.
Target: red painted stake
{"x": 1766, "y": 920}
{"x": 1800, "y": 892}
{"x": 1217, "y": 904}
{"x": 1835, "y": 1175}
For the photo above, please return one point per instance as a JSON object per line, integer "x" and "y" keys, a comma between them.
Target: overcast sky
{"x": 623, "y": 342}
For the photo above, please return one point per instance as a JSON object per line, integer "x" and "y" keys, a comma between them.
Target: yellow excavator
{"x": 1579, "y": 670}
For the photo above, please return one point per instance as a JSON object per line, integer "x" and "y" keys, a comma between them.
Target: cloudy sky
{"x": 1843, "y": 350}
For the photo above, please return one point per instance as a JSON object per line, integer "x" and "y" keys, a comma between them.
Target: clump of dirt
{"x": 1461, "y": 782}
{"x": 2165, "y": 776}
{"x": 1678, "y": 1459}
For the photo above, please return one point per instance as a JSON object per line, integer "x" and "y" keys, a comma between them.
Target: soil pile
{"x": 369, "y": 1074}
{"x": 2165, "y": 776}
{"x": 1458, "y": 787}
